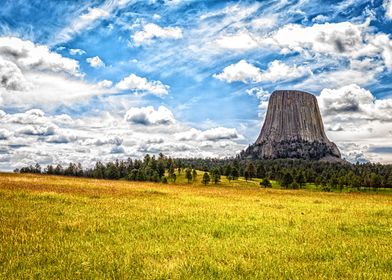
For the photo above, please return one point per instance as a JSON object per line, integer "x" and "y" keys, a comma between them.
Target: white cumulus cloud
{"x": 95, "y": 62}
{"x": 136, "y": 83}
{"x": 337, "y": 40}
{"x": 4, "y": 134}
{"x": 104, "y": 141}
{"x": 11, "y": 77}
{"x": 351, "y": 112}
{"x": 32, "y": 74}
{"x": 151, "y": 31}
{"x": 150, "y": 116}
{"x": 352, "y": 104}
{"x": 62, "y": 138}
{"x": 76, "y": 52}
{"x": 245, "y": 72}
{"x": 38, "y": 130}
{"x": 213, "y": 134}
{"x": 344, "y": 38}
{"x": 241, "y": 41}
{"x": 29, "y": 56}
{"x": 105, "y": 84}
{"x": 219, "y": 133}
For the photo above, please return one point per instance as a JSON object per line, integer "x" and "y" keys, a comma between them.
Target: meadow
{"x": 56, "y": 227}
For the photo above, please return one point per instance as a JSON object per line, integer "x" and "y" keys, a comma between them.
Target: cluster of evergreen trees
{"x": 290, "y": 173}
{"x": 295, "y": 173}
{"x": 151, "y": 168}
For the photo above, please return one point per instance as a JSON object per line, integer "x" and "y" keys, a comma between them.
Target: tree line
{"x": 295, "y": 173}
{"x": 290, "y": 173}
{"x": 150, "y": 168}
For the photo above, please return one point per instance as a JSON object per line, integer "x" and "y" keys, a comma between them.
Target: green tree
{"x": 389, "y": 181}
{"x": 49, "y": 169}
{"x": 367, "y": 180}
{"x": 173, "y": 177}
{"x": 37, "y": 168}
{"x": 300, "y": 179}
{"x": 333, "y": 182}
{"x": 287, "y": 180}
{"x": 188, "y": 175}
{"x": 112, "y": 171}
{"x": 194, "y": 174}
{"x": 246, "y": 175}
{"x": 251, "y": 169}
{"x": 98, "y": 173}
{"x": 161, "y": 168}
{"x": 146, "y": 160}
{"x": 341, "y": 182}
{"x": 375, "y": 180}
{"x": 294, "y": 185}
{"x": 132, "y": 176}
{"x": 234, "y": 173}
{"x": 216, "y": 177}
{"x": 59, "y": 170}
{"x": 260, "y": 170}
{"x": 228, "y": 170}
{"x": 79, "y": 170}
{"x": 170, "y": 167}
{"x": 206, "y": 178}
{"x": 317, "y": 181}
{"x": 356, "y": 182}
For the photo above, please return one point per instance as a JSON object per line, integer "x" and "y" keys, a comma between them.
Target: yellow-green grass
{"x": 70, "y": 228}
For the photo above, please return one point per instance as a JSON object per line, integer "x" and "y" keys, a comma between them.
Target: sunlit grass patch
{"x": 67, "y": 228}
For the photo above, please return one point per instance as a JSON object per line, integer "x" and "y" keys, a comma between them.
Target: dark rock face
{"x": 293, "y": 128}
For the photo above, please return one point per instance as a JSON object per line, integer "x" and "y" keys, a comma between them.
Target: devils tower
{"x": 293, "y": 128}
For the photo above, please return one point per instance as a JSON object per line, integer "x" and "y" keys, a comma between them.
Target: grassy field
{"x": 69, "y": 228}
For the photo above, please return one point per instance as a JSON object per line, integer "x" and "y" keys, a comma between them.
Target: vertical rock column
{"x": 293, "y": 128}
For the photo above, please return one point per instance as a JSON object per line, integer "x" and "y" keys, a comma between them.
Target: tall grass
{"x": 69, "y": 228}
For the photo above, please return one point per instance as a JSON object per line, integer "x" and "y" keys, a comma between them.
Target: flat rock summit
{"x": 293, "y": 128}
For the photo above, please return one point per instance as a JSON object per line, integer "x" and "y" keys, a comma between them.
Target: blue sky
{"x": 88, "y": 80}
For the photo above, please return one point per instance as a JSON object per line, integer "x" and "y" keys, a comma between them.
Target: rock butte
{"x": 293, "y": 128}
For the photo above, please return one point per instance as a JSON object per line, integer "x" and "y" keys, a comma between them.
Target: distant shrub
{"x": 265, "y": 183}
{"x": 294, "y": 186}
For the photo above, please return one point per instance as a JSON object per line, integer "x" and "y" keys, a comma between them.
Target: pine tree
{"x": 37, "y": 168}
{"x": 375, "y": 180}
{"x": 217, "y": 177}
{"x": 300, "y": 179}
{"x": 161, "y": 168}
{"x": 246, "y": 175}
{"x": 173, "y": 177}
{"x": 228, "y": 170}
{"x": 206, "y": 178}
{"x": 194, "y": 174}
{"x": 287, "y": 180}
{"x": 188, "y": 175}
{"x": 251, "y": 169}
{"x": 260, "y": 171}
{"x": 234, "y": 173}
